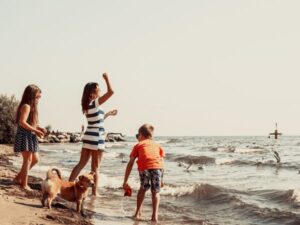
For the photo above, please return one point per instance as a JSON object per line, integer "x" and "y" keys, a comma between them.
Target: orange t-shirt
{"x": 150, "y": 155}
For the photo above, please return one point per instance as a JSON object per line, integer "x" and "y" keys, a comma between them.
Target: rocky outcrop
{"x": 63, "y": 137}
{"x": 115, "y": 137}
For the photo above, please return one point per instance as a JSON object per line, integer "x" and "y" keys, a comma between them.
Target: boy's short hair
{"x": 146, "y": 130}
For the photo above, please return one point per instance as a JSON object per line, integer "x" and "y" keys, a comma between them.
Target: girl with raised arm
{"x": 94, "y": 136}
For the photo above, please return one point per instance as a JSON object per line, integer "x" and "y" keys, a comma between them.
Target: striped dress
{"x": 94, "y": 136}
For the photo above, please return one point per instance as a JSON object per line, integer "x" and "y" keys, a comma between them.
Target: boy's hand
{"x": 162, "y": 184}
{"x": 125, "y": 184}
{"x": 127, "y": 190}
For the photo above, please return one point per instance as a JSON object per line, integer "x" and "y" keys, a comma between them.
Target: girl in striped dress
{"x": 28, "y": 129}
{"x": 94, "y": 136}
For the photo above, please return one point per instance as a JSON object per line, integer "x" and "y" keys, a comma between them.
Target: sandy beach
{"x": 18, "y": 206}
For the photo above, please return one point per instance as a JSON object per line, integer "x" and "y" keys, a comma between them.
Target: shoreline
{"x": 18, "y": 206}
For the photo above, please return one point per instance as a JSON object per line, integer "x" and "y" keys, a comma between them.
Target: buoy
{"x": 276, "y": 133}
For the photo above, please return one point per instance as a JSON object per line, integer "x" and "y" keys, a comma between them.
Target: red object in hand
{"x": 127, "y": 191}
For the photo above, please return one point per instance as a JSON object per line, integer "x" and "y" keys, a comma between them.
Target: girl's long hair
{"x": 29, "y": 97}
{"x": 88, "y": 90}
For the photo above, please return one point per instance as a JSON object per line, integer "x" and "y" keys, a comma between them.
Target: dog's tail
{"x": 50, "y": 173}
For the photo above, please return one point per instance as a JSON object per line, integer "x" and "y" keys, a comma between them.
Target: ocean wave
{"x": 254, "y": 147}
{"x": 42, "y": 169}
{"x": 46, "y": 150}
{"x": 111, "y": 154}
{"x": 269, "y": 163}
{"x": 60, "y": 150}
{"x": 291, "y": 196}
{"x": 190, "y": 159}
{"x": 117, "y": 145}
{"x": 230, "y": 199}
{"x": 161, "y": 142}
{"x": 236, "y": 162}
{"x": 266, "y": 215}
{"x": 115, "y": 183}
{"x": 66, "y": 150}
{"x": 223, "y": 149}
{"x": 296, "y": 195}
{"x": 224, "y": 161}
{"x": 174, "y": 141}
{"x": 199, "y": 192}
{"x": 219, "y": 194}
{"x": 249, "y": 150}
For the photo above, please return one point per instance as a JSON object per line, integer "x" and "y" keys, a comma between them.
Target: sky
{"x": 192, "y": 67}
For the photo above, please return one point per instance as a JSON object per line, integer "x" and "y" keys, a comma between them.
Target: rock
{"x": 55, "y": 139}
{"x": 75, "y": 137}
{"x": 114, "y": 137}
{"x": 64, "y": 140}
{"x": 61, "y": 136}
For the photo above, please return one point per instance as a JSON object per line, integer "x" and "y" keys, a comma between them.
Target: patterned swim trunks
{"x": 151, "y": 178}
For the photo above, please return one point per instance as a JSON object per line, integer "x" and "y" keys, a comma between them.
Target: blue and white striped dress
{"x": 94, "y": 136}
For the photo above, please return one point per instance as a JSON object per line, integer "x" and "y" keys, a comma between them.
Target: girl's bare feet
{"x": 26, "y": 188}
{"x": 17, "y": 180}
{"x": 137, "y": 216}
{"x": 95, "y": 194}
{"x": 154, "y": 219}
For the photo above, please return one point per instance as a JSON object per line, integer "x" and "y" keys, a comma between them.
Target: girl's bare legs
{"x": 96, "y": 160}
{"x": 17, "y": 179}
{"x": 155, "y": 205}
{"x": 34, "y": 161}
{"x": 84, "y": 158}
{"x": 139, "y": 203}
{"x": 22, "y": 177}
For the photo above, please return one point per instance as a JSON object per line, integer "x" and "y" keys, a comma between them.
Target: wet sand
{"x": 18, "y": 206}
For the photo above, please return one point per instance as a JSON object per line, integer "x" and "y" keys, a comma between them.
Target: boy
{"x": 150, "y": 165}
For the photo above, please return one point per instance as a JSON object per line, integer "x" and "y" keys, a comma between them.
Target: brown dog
{"x": 71, "y": 191}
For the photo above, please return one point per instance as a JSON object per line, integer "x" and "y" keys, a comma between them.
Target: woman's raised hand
{"x": 105, "y": 76}
{"x": 113, "y": 112}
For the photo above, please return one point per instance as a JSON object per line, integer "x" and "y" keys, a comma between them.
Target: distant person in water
{"x": 26, "y": 141}
{"x": 94, "y": 136}
{"x": 150, "y": 165}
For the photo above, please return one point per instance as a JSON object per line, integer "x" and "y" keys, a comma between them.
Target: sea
{"x": 208, "y": 180}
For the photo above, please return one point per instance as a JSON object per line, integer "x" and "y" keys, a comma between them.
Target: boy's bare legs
{"x": 155, "y": 205}
{"x": 139, "y": 203}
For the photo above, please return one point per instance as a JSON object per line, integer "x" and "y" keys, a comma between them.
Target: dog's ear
{"x": 92, "y": 173}
{"x": 80, "y": 177}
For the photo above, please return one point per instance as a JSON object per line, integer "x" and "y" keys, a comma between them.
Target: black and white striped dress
{"x": 25, "y": 140}
{"x": 94, "y": 136}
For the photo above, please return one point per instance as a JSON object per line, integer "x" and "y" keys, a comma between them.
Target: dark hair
{"x": 88, "y": 90}
{"x": 29, "y": 97}
{"x": 146, "y": 130}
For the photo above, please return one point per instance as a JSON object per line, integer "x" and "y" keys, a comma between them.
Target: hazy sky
{"x": 187, "y": 67}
